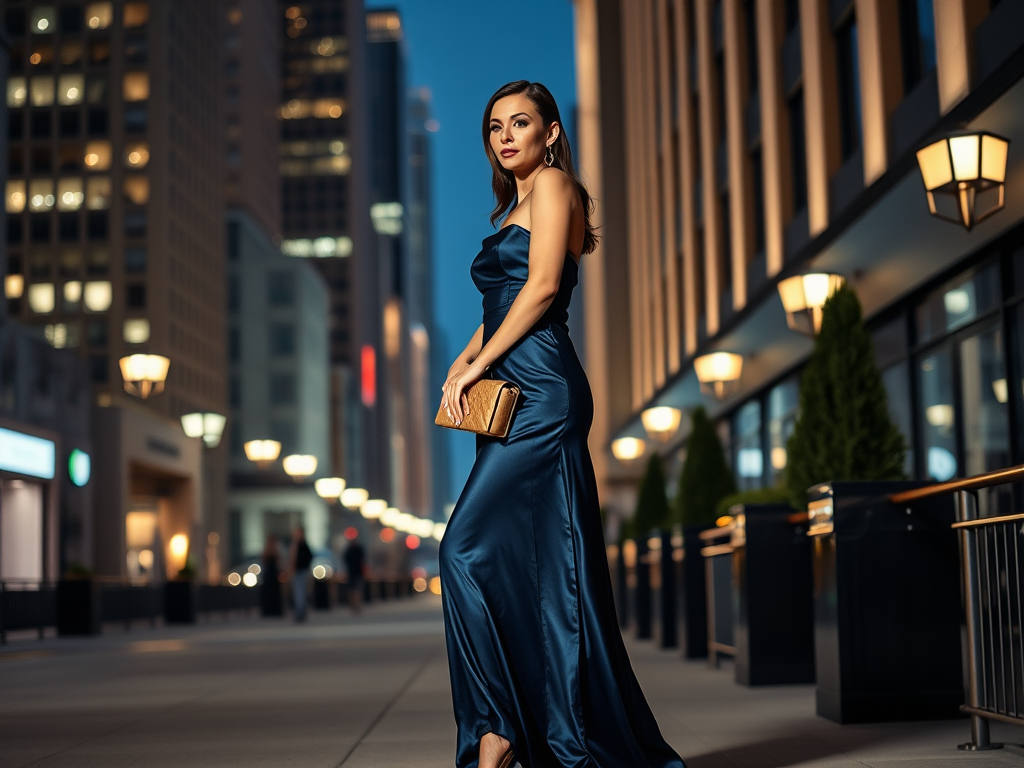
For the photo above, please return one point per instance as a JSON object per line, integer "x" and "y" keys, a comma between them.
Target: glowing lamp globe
{"x": 262, "y": 453}
{"x": 661, "y": 421}
{"x": 144, "y": 375}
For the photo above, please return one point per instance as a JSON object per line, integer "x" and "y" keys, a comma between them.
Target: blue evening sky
{"x": 463, "y": 51}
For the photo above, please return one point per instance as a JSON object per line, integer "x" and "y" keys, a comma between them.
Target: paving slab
{"x": 372, "y": 691}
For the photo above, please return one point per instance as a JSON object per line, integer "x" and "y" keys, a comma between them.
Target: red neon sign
{"x": 368, "y": 375}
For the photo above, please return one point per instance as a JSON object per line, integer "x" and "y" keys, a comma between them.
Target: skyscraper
{"x": 325, "y": 193}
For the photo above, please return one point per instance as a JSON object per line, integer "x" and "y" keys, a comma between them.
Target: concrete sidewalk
{"x": 372, "y": 692}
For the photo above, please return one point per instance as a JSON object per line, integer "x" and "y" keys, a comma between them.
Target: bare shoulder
{"x": 554, "y": 183}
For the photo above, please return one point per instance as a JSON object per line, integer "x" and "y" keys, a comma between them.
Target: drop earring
{"x": 549, "y": 157}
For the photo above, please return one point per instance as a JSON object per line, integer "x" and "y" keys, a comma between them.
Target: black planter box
{"x": 886, "y": 605}
{"x": 78, "y": 607}
{"x": 695, "y": 597}
{"x": 773, "y": 593}
{"x": 321, "y": 595}
{"x": 180, "y": 602}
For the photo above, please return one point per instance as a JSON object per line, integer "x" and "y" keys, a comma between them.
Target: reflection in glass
{"x": 938, "y": 417}
{"x": 40, "y": 195}
{"x": 15, "y": 198}
{"x": 749, "y": 458}
{"x": 896, "y": 380}
{"x": 69, "y": 194}
{"x": 97, "y": 155}
{"x": 985, "y": 415}
{"x": 783, "y": 404}
{"x": 97, "y": 193}
{"x": 70, "y": 89}
{"x": 17, "y": 92}
{"x": 957, "y": 305}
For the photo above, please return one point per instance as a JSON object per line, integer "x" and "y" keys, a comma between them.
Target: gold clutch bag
{"x": 490, "y": 408}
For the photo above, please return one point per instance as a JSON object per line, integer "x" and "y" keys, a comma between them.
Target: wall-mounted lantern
{"x": 628, "y": 449}
{"x": 804, "y": 296}
{"x": 719, "y": 373}
{"x": 661, "y": 422}
{"x": 964, "y": 176}
{"x": 299, "y": 466}
{"x": 329, "y": 488}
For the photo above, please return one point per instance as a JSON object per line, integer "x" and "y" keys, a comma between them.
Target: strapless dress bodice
{"x": 500, "y": 270}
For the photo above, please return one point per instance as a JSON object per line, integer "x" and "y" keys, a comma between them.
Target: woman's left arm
{"x": 550, "y": 218}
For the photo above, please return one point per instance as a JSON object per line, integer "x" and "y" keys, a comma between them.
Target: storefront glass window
{"x": 959, "y": 304}
{"x": 897, "y": 386}
{"x": 783, "y": 402}
{"x": 938, "y": 414}
{"x": 985, "y": 395}
{"x": 749, "y": 459}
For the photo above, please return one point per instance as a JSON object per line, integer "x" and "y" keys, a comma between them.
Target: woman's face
{"x": 518, "y": 136}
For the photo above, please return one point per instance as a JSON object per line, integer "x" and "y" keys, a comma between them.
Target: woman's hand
{"x": 454, "y": 398}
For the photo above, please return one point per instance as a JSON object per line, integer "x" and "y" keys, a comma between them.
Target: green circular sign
{"x": 79, "y": 467}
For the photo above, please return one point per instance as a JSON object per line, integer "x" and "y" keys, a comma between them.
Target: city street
{"x": 372, "y": 692}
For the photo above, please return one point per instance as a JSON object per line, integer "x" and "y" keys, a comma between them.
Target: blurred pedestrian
{"x": 355, "y": 564}
{"x": 299, "y": 561}
{"x": 270, "y": 598}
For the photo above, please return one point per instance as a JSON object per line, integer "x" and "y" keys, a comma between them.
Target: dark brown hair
{"x": 503, "y": 182}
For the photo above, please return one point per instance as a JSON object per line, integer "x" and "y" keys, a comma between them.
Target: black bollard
{"x": 643, "y": 591}
{"x": 669, "y": 594}
{"x": 695, "y": 597}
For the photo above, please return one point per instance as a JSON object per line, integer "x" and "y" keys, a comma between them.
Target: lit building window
{"x": 70, "y": 52}
{"x": 136, "y": 15}
{"x": 297, "y": 109}
{"x": 136, "y": 330}
{"x": 320, "y": 247}
{"x": 42, "y": 55}
{"x": 387, "y": 218}
{"x": 325, "y": 47}
{"x": 70, "y": 89}
{"x": 40, "y": 195}
{"x": 41, "y": 298}
{"x": 44, "y": 20}
{"x": 136, "y": 86}
{"x": 97, "y": 155}
{"x": 136, "y": 189}
{"x": 97, "y": 193}
{"x": 136, "y": 154}
{"x": 99, "y": 15}
{"x": 61, "y": 335}
{"x": 16, "y": 91}
{"x": 14, "y": 286}
{"x": 72, "y": 294}
{"x": 235, "y": 15}
{"x": 98, "y": 295}
{"x": 332, "y": 166}
{"x": 41, "y": 91}
{"x": 15, "y": 197}
{"x": 69, "y": 194}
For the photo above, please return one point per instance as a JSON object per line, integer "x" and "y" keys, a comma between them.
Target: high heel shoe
{"x": 506, "y": 760}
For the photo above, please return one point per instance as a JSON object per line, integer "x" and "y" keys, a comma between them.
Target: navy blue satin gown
{"x": 533, "y": 644}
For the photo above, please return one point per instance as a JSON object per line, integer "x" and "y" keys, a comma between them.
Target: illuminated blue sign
{"x": 27, "y": 455}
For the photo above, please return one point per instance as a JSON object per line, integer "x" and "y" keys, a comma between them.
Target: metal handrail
{"x": 986, "y": 480}
{"x": 991, "y": 570}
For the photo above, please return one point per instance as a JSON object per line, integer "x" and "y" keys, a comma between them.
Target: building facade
{"x": 115, "y": 213}
{"x": 325, "y": 186}
{"x": 757, "y": 140}
{"x": 280, "y": 387}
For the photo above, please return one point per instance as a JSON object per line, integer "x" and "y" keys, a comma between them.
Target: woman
{"x": 538, "y": 668}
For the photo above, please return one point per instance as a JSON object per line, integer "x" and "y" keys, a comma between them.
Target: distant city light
{"x": 249, "y": 579}
{"x": 319, "y": 248}
{"x": 412, "y": 541}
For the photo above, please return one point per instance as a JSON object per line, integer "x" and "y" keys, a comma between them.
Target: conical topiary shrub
{"x": 705, "y": 477}
{"x": 651, "y": 504}
{"x": 844, "y": 430}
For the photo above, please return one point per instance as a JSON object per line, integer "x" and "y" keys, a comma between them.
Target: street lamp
{"x": 964, "y": 176}
{"x": 299, "y": 466}
{"x": 718, "y": 373}
{"x": 209, "y": 426}
{"x": 372, "y": 509}
{"x": 353, "y": 498}
{"x": 144, "y": 375}
{"x": 661, "y": 421}
{"x": 804, "y": 296}
{"x": 262, "y": 453}
{"x": 329, "y": 488}
{"x": 628, "y": 449}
